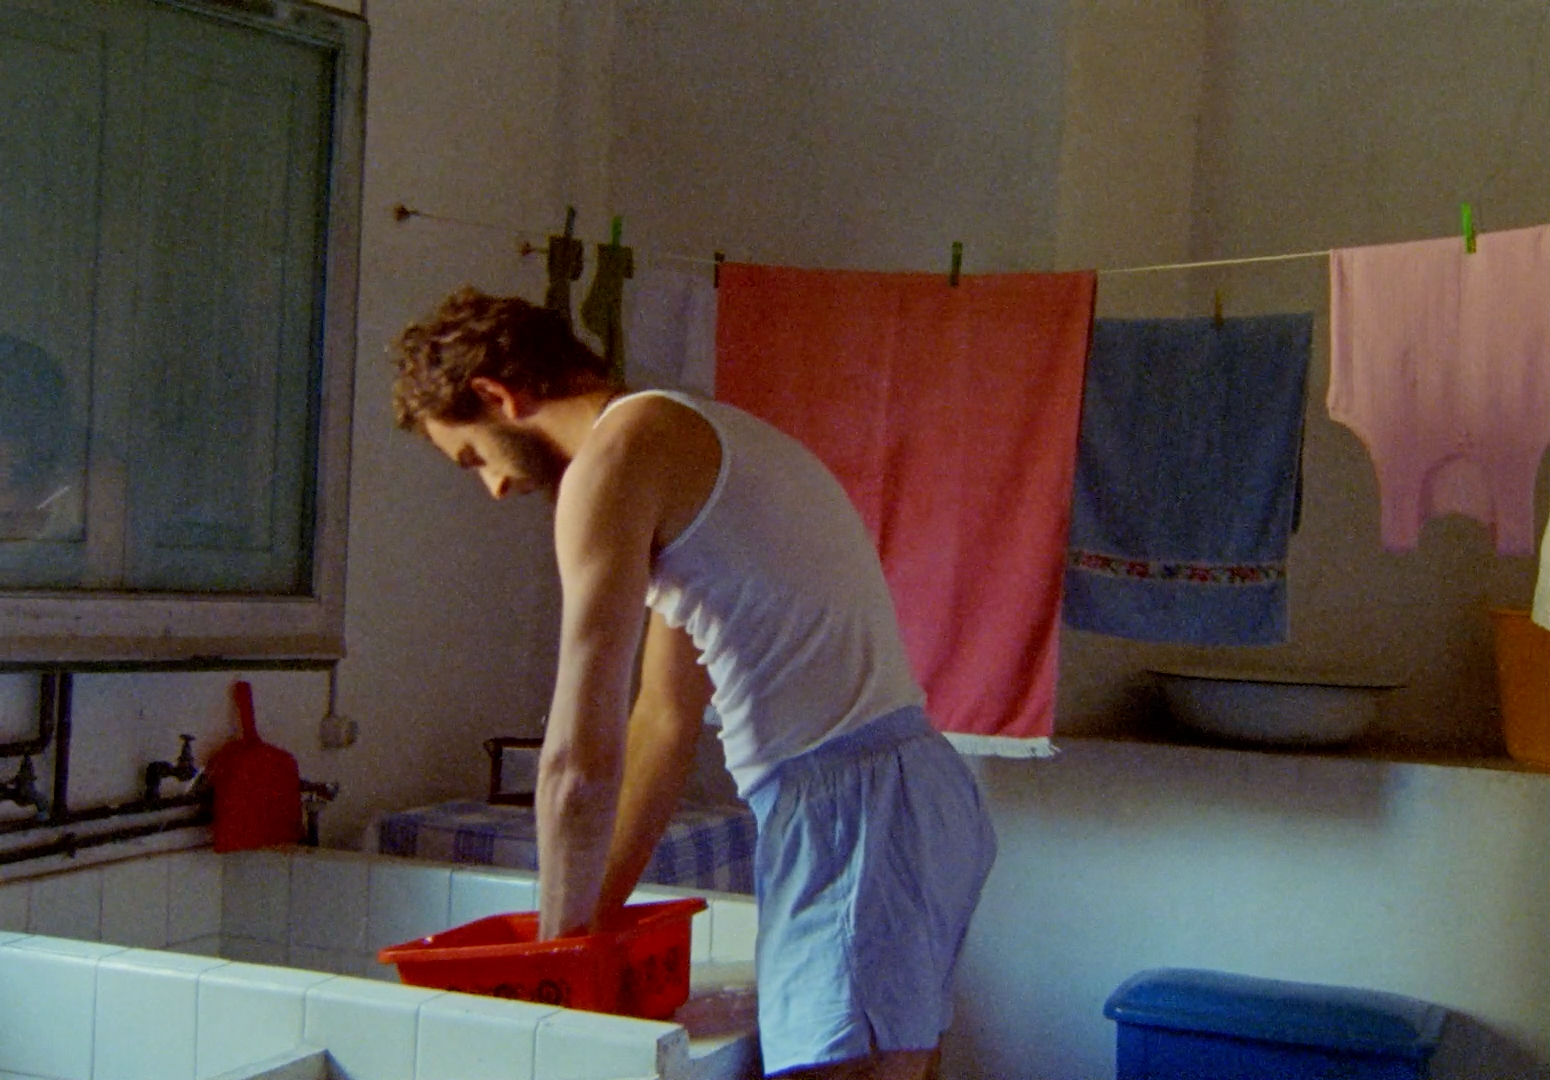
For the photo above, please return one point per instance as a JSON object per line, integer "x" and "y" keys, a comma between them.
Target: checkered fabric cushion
{"x": 703, "y": 848}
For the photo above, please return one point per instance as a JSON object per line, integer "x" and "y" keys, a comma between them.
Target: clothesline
{"x": 1161, "y": 267}
{"x": 403, "y": 213}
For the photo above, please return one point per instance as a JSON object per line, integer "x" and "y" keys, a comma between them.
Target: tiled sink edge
{"x": 197, "y": 902}
{"x": 53, "y": 989}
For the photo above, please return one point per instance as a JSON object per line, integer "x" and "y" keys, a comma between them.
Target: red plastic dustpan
{"x": 257, "y": 787}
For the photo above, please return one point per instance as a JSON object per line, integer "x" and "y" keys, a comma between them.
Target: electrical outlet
{"x": 337, "y": 732}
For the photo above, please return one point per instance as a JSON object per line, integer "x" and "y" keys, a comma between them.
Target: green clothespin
{"x": 1467, "y": 217}
{"x": 715, "y": 275}
{"x": 617, "y": 232}
{"x": 952, "y": 276}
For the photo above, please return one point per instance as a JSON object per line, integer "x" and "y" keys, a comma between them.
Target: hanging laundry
{"x": 566, "y": 256}
{"x": 602, "y": 312}
{"x": 1187, "y": 479}
{"x": 949, "y": 413}
{"x": 1440, "y": 364}
{"x": 670, "y": 323}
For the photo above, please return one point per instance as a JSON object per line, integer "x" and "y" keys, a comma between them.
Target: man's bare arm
{"x": 604, "y": 522}
{"x": 664, "y": 734}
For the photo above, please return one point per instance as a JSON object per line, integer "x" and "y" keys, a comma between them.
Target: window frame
{"x": 106, "y": 625}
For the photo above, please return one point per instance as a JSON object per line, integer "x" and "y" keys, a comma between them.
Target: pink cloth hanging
{"x": 950, "y": 415}
{"x": 1440, "y": 363}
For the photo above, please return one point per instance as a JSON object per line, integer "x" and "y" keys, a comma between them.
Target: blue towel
{"x": 1187, "y": 479}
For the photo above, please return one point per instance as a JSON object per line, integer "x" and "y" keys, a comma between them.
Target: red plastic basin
{"x": 640, "y": 968}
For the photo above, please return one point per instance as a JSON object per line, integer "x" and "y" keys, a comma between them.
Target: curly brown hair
{"x": 521, "y": 345}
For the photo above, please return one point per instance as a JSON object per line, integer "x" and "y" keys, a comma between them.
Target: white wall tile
{"x": 328, "y": 901}
{"x": 252, "y": 951}
{"x": 371, "y": 968}
{"x": 147, "y": 1007}
{"x": 248, "y": 1013}
{"x": 574, "y": 1045}
{"x": 47, "y": 1007}
{"x": 330, "y": 961}
{"x": 256, "y": 895}
{"x": 365, "y": 966}
{"x": 700, "y": 934}
{"x": 134, "y": 902}
{"x": 406, "y": 901}
{"x": 734, "y": 927}
{"x": 67, "y": 905}
{"x": 476, "y": 895}
{"x": 368, "y": 1027}
{"x": 209, "y": 945}
{"x": 194, "y": 895}
{"x": 464, "y": 1037}
{"x": 13, "y": 905}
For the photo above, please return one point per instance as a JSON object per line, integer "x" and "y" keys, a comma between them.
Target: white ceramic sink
{"x": 1271, "y": 708}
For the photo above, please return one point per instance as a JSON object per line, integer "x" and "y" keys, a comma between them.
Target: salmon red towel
{"x": 950, "y": 415}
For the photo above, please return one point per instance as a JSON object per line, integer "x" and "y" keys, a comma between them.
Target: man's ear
{"x": 512, "y": 404}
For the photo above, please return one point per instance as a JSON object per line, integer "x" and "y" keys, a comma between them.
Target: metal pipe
{"x": 102, "y": 813}
{"x": 59, "y": 794}
{"x": 70, "y": 844}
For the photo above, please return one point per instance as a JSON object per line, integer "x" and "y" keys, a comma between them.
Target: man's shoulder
{"x": 644, "y": 418}
{"x": 643, "y": 432}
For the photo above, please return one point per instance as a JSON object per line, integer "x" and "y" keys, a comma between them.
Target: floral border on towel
{"x": 1195, "y": 573}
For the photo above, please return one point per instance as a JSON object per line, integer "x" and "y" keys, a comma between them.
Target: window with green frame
{"x": 179, "y": 216}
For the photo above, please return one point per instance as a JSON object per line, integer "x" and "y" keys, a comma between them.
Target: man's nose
{"x": 498, "y": 485}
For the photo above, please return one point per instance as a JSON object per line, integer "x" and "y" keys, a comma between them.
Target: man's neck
{"x": 569, "y": 420}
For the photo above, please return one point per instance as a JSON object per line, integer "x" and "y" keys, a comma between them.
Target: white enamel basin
{"x": 1286, "y": 709}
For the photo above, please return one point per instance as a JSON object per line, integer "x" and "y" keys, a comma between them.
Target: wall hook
{"x": 715, "y": 275}
{"x": 1216, "y": 311}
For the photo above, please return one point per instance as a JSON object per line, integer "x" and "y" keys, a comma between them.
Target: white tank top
{"x": 779, "y": 586}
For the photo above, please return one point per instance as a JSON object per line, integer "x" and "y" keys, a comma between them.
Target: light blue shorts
{"x": 871, "y": 855}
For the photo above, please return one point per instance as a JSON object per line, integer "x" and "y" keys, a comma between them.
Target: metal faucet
{"x": 184, "y": 770}
{"x": 22, "y": 789}
{"x": 313, "y": 796}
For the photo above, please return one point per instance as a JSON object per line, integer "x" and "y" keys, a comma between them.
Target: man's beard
{"x": 535, "y": 457}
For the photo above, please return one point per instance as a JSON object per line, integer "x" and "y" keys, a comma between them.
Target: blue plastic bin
{"x": 1181, "y": 1024}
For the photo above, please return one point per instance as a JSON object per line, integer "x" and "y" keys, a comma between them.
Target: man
{"x": 768, "y": 602}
